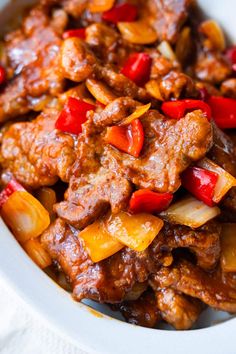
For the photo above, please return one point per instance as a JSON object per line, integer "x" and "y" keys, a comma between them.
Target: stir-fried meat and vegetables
{"x": 118, "y": 154}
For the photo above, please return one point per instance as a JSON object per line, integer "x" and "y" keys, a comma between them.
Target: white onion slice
{"x": 190, "y": 212}
{"x": 25, "y": 216}
{"x": 225, "y": 180}
{"x": 166, "y": 50}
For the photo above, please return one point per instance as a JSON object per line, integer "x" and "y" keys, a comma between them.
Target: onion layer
{"x": 37, "y": 253}
{"x": 25, "y": 216}
{"x": 135, "y": 231}
{"x": 98, "y": 242}
{"x": 190, "y": 212}
{"x": 139, "y": 32}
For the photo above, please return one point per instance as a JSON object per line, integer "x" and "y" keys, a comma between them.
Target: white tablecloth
{"x": 21, "y": 332}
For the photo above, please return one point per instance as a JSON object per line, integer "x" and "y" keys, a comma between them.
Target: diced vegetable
{"x": 128, "y": 138}
{"x": 11, "y": 187}
{"x": 100, "y": 5}
{"x": 166, "y": 50}
{"x": 100, "y": 91}
{"x": 184, "y": 45}
{"x": 47, "y": 198}
{"x": 2, "y": 75}
{"x": 139, "y": 32}
{"x": 25, "y": 215}
{"x": 153, "y": 89}
{"x": 223, "y": 111}
{"x": 190, "y": 212}
{"x": 139, "y": 112}
{"x": 121, "y": 13}
{"x": 37, "y": 253}
{"x": 224, "y": 182}
{"x": 79, "y": 33}
{"x": 137, "y": 68}
{"x": 231, "y": 54}
{"x": 73, "y": 115}
{"x": 214, "y": 33}
{"x": 228, "y": 248}
{"x": 146, "y": 201}
{"x": 201, "y": 183}
{"x": 135, "y": 231}
{"x": 98, "y": 242}
{"x": 178, "y": 109}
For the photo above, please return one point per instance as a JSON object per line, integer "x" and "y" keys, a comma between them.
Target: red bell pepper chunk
{"x": 79, "y": 33}
{"x": 2, "y": 75}
{"x": 201, "y": 183}
{"x": 138, "y": 68}
{"x": 11, "y": 187}
{"x": 231, "y": 54}
{"x": 121, "y": 13}
{"x": 73, "y": 116}
{"x": 146, "y": 201}
{"x": 223, "y": 111}
{"x": 178, "y": 109}
{"x": 128, "y": 138}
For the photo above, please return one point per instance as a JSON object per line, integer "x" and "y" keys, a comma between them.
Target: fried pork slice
{"x": 76, "y": 60}
{"x": 212, "y": 67}
{"x": 168, "y": 16}
{"x": 203, "y": 242}
{"x": 193, "y": 281}
{"x": 223, "y": 153}
{"x": 93, "y": 189}
{"x": 142, "y": 312}
{"x": 91, "y": 195}
{"x": 177, "y": 309}
{"x": 169, "y": 148}
{"x": 107, "y": 281}
{"x": 36, "y": 153}
{"x": 121, "y": 85}
{"x": 32, "y": 54}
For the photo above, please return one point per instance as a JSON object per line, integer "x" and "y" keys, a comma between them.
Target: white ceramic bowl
{"x": 91, "y": 330}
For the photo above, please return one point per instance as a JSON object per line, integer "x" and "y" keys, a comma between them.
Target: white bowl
{"x": 91, "y": 330}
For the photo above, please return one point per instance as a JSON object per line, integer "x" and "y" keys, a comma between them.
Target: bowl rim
{"x": 90, "y": 330}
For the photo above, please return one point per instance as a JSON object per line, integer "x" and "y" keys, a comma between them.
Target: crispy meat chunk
{"x": 223, "y": 151}
{"x": 108, "y": 44}
{"x": 170, "y": 146}
{"x": 36, "y": 153}
{"x": 176, "y": 84}
{"x": 203, "y": 242}
{"x": 92, "y": 188}
{"x": 228, "y": 88}
{"x": 121, "y": 84}
{"x": 191, "y": 280}
{"x": 114, "y": 112}
{"x": 32, "y": 54}
{"x": 168, "y": 17}
{"x": 76, "y": 60}
{"x": 177, "y": 309}
{"x": 142, "y": 312}
{"x": 107, "y": 281}
{"x": 74, "y": 8}
{"x": 90, "y": 195}
{"x": 212, "y": 68}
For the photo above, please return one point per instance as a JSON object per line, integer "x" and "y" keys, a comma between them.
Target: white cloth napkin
{"x": 21, "y": 332}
